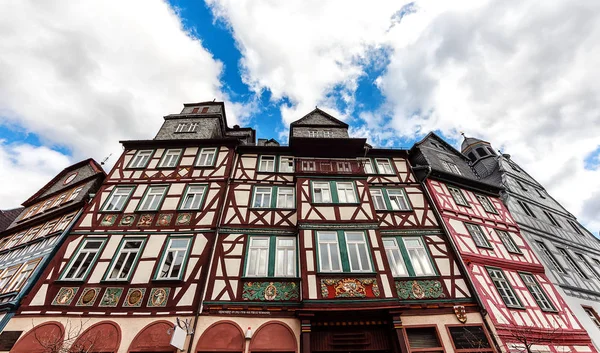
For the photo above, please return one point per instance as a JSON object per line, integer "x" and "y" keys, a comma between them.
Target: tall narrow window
{"x": 329, "y": 252}
{"x": 526, "y": 208}
{"x": 486, "y": 203}
{"x": 22, "y": 276}
{"x": 125, "y": 260}
{"x": 572, "y": 263}
{"x": 551, "y": 218}
{"x": 368, "y": 166}
{"x": 346, "y": 192}
{"x": 192, "y": 199}
{"x": 537, "y": 292}
{"x": 206, "y": 157}
{"x": 358, "y": 253}
{"x": 384, "y": 166}
{"x": 286, "y": 164}
{"x": 588, "y": 266}
{"x": 84, "y": 259}
{"x": 504, "y": 288}
{"x": 550, "y": 257}
{"x": 75, "y": 193}
{"x": 458, "y": 196}
{"x": 593, "y": 316}
{"x": 116, "y": 201}
{"x": 451, "y": 167}
{"x": 174, "y": 258}
{"x": 258, "y": 257}
{"x": 575, "y": 227}
{"x": 140, "y": 159}
{"x": 285, "y": 257}
{"x": 180, "y": 127}
{"x": 170, "y": 158}
{"x": 424, "y": 339}
{"x": 285, "y": 197}
{"x": 59, "y": 200}
{"x": 47, "y": 229}
{"x": 378, "y": 200}
{"x": 540, "y": 193}
{"x": 153, "y": 198}
{"x": 31, "y": 234}
{"x": 321, "y": 192}
{"x": 418, "y": 256}
{"x": 64, "y": 222}
{"x": 192, "y": 127}
{"x": 31, "y": 211}
{"x": 478, "y": 236}
{"x": 508, "y": 242}
{"x": 267, "y": 164}
{"x": 262, "y": 197}
{"x": 394, "y": 256}
{"x": 46, "y": 205}
{"x": 398, "y": 199}
{"x": 522, "y": 186}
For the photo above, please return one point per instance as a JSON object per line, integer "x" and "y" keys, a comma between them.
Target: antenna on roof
{"x": 105, "y": 159}
{"x": 462, "y": 133}
{"x": 214, "y": 99}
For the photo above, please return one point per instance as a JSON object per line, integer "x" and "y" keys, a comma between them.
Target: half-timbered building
{"x": 523, "y": 306}
{"x": 30, "y": 241}
{"x": 569, "y": 252}
{"x": 332, "y": 246}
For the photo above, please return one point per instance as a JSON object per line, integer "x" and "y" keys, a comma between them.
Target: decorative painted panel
{"x": 349, "y": 288}
{"x": 270, "y": 291}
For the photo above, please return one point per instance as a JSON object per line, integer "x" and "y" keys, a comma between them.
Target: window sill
{"x": 146, "y": 211}
{"x": 390, "y": 211}
{"x": 167, "y": 280}
{"x": 496, "y": 213}
{"x": 135, "y": 168}
{"x": 113, "y": 212}
{"x": 267, "y": 278}
{"x": 515, "y": 307}
{"x": 347, "y": 273}
{"x": 484, "y": 247}
{"x": 335, "y": 203}
{"x": 115, "y": 281}
{"x": 204, "y": 166}
{"x": 424, "y": 277}
{"x": 271, "y": 209}
{"x": 9, "y": 294}
{"x": 71, "y": 281}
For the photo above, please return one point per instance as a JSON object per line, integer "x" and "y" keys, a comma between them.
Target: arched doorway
{"x": 42, "y": 338}
{"x": 274, "y": 336}
{"x": 222, "y": 336}
{"x": 155, "y": 337}
{"x": 102, "y": 337}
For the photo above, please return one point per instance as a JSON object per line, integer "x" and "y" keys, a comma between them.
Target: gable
{"x": 319, "y": 117}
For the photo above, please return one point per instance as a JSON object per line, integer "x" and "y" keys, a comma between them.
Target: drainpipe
{"x": 459, "y": 259}
{"x": 213, "y": 250}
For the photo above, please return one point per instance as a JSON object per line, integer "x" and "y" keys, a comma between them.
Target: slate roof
{"x": 8, "y": 216}
{"x": 319, "y": 117}
{"x": 468, "y": 141}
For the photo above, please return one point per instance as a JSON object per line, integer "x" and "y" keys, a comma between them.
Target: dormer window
{"x": 472, "y": 156}
{"x": 481, "y": 152}
{"x": 451, "y": 167}
{"x": 320, "y": 133}
{"x": 192, "y": 127}
{"x": 180, "y": 127}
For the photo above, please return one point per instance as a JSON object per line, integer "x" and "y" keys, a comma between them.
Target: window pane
{"x": 346, "y": 192}
{"x": 321, "y": 192}
{"x": 398, "y": 200}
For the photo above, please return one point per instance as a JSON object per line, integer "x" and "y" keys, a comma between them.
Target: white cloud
{"x": 520, "y": 74}
{"x": 85, "y": 74}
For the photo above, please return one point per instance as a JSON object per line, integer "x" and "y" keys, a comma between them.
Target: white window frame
{"x": 486, "y": 204}
{"x": 152, "y": 199}
{"x": 94, "y": 253}
{"x": 122, "y": 193}
{"x": 64, "y": 222}
{"x": 378, "y": 199}
{"x": 451, "y": 167}
{"x": 255, "y": 252}
{"x": 400, "y": 196}
{"x": 348, "y": 191}
{"x": 207, "y": 157}
{"x": 504, "y": 288}
{"x": 140, "y": 159}
{"x": 195, "y": 196}
{"x": 458, "y": 197}
{"x": 269, "y": 166}
{"x": 286, "y": 255}
{"x": 33, "y": 232}
{"x": 572, "y": 263}
{"x": 180, "y": 127}
{"x": 31, "y": 211}
{"x": 418, "y": 255}
{"x": 368, "y": 166}
{"x": 287, "y": 192}
{"x": 74, "y": 194}
{"x": 22, "y": 276}
{"x": 46, "y": 205}
{"x": 129, "y": 253}
{"x": 6, "y": 276}
{"x": 192, "y": 127}
{"x": 286, "y": 164}
{"x": 478, "y": 235}
{"x": 353, "y": 247}
{"x": 170, "y": 158}
{"x": 262, "y": 191}
{"x": 59, "y": 200}
{"x": 47, "y": 229}
{"x": 395, "y": 258}
{"x": 508, "y": 241}
{"x": 332, "y": 245}
{"x": 325, "y": 189}
{"x": 382, "y": 168}
{"x": 544, "y": 249}
{"x": 537, "y": 292}
{"x": 179, "y": 251}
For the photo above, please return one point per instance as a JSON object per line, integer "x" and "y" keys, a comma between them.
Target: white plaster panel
{"x": 176, "y": 189}
{"x": 387, "y": 291}
{"x": 40, "y": 296}
{"x": 98, "y": 272}
{"x": 310, "y": 261}
{"x": 139, "y": 191}
{"x": 87, "y": 221}
{"x": 444, "y": 266}
{"x": 234, "y": 285}
{"x": 187, "y": 161}
{"x": 312, "y": 287}
{"x": 143, "y": 272}
{"x": 153, "y": 246}
{"x": 217, "y": 288}
{"x": 131, "y": 206}
{"x": 71, "y": 247}
{"x": 188, "y": 298}
{"x": 416, "y": 200}
{"x": 237, "y": 250}
{"x": 190, "y": 267}
{"x": 170, "y": 204}
{"x": 199, "y": 244}
{"x": 111, "y": 247}
{"x": 308, "y": 238}
{"x": 379, "y": 261}
{"x": 233, "y": 267}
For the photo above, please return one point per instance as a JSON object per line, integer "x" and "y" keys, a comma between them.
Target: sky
{"x": 77, "y": 77}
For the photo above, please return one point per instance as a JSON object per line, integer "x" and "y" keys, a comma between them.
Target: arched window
{"x": 43, "y": 338}
{"x": 274, "y": 336}
{"x": 102, "y": 337}
{"x": 154, "y": 338}
{"x": 222, "y": 336}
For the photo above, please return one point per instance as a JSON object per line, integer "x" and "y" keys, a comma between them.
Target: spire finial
{"x": 462, "y": 133}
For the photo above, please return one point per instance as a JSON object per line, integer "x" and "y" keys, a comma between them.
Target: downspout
{"x": 459, "y": 259}
{"x": 213, "y": 250}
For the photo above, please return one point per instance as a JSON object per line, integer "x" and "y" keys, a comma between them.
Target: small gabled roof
{"x": 93, "y": 164}
{"x": 318, "y": 117}
{"x": 469, "y": 141}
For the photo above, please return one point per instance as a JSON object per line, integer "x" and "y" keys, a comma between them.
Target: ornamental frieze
{"x": 420, "y": 289}
{"x": 270, "y": 291}
{"x": 349, "y": 288}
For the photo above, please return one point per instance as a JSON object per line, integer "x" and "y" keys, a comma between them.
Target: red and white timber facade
{"x": 524, "y": 308}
